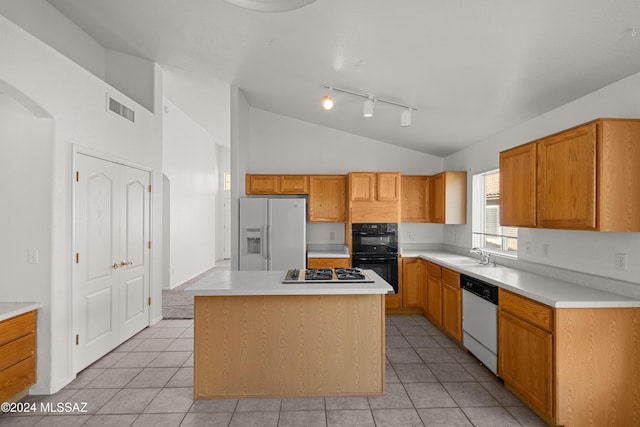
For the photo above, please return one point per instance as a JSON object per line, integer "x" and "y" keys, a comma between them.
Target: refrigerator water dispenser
{"x": 254, "y": 241}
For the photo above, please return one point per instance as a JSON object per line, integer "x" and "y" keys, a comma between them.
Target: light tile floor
{"x": 148, "y": 380}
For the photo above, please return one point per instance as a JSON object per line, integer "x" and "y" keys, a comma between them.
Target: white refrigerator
{"x": 272, "y": 234}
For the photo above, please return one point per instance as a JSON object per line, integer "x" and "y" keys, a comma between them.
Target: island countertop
{"x": 243, "y": 283}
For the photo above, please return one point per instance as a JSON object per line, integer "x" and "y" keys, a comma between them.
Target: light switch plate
{"x": 621, "y": 262}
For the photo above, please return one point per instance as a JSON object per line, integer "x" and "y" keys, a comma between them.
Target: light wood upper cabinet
{"x": 374, "y": 197}
{"x": 388, "y": 186}
{"x": 362, "y": 186}
{"x": 415, "y": 198}
{"x": 371, "y": 186}
{"x": 448, "y": 198}
{"x": 586, "y": 179}
{"x": 262, "y": 184}
{"x": 327, "y": 198}
{"x": 276, "y": 184}
{"x": 294, "y": 184}
{"x": 567, "y": 179}
{"x": 518, "y": 186}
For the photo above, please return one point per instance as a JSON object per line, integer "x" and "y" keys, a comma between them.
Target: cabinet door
{"x": 415, "y": 192}
{"x": 388, "y": 186}
{"x": 437, "y": 198}
{"x": 411, "y": 279}
{"x": 327, "y": 198}
{"x": 518, "y": 186}
{"x": 262, "y": 184}
{"x": 525, "y": 361}
{"x": 294, "y": 184}
{"x": 434, "y": 300}
{"x": 423, "y": 286}
{"x": 362, "y": 186}
{"x": 452, "y": 311}
{"x": 567, "y": 179}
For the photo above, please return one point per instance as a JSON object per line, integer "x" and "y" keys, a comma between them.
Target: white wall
{"x": 280, "y": 144}
{"x": 25, "y": 184}
{"x": 191, "y": 167}
{"x": 131, "y": 75}
{"x": 44, "y": 21}
{"x": 583, "y": 251}
{"x": 75, "y": 99}
{"x": 223, "y": 161}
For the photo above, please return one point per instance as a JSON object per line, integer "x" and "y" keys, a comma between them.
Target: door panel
{"x": 111, "y": 278}
{"x": 95, "y": 289}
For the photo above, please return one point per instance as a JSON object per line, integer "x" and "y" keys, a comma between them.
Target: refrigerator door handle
{"x": 264, "y": 245}
{"x": 269, "y": 247}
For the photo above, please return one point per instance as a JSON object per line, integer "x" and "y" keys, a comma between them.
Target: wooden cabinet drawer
{"x": 328, "y": 263}
{"x": 17, "y": 350}
{"x": 533, "y": 312}
{"x": 434, "y": 270}
{"x": 17, "y": 327}
{"x": 17, "y": 378}
{"x": 451, "y": 277}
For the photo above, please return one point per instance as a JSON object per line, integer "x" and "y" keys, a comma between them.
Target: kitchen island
{"x": 257, "y": 337}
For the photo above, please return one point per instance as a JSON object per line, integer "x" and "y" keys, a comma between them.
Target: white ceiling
{"x": 472, "y": 68}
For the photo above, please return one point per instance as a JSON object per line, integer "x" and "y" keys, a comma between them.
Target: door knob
{"x": 124, "y": 264}
{"x": 115, "y": 265}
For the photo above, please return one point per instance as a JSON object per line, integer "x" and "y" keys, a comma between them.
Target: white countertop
{"x": 327, "y": 251}
{"x": 244, "y": 283}
{"x": 13, "y": 309}
{"x": 549, "y": 291}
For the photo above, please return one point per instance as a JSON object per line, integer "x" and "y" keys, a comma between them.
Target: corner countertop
{"x": 245, "y": 283}
{"x": 327, "y": 251}
{"x": 13, "y": 309}
{"x": 547, "y": 290}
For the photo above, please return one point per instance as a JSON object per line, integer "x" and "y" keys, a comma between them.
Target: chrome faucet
{"x": 482, "y": 256}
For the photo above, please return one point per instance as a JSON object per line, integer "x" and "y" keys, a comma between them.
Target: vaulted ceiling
{"x": 471, "y": 68}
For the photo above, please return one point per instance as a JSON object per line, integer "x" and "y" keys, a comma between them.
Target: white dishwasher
{"x": 480, "y": 320}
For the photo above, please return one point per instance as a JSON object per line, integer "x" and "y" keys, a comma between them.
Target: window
{"x": 488, "y": 234}
{"x": 227, "y": 181}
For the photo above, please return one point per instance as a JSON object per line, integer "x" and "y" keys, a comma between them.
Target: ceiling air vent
{"x": 120, "y": 109}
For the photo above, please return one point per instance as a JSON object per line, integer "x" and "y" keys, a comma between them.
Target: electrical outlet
{"x": 527, "y": 248}
{"x": 545, "y": 249}
{"x": 621, "y": 262}
{"x": 332, "y": 235}
{"x": 408, "y": 235}
{"x": 33, "y": 256}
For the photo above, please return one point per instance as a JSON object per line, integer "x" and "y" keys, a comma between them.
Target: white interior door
{"x": 134, "y": 240}
{"x": 111, "y": 280}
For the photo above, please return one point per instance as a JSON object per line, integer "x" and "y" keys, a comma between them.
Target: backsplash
{"x": 325, "y": 233}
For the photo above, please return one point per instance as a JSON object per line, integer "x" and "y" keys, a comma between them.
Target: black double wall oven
{"x": 375, "y": 247}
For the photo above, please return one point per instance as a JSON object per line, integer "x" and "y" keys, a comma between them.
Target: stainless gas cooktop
{"x": 327, "y": 275}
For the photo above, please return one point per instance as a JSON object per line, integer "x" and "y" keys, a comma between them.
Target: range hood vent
{"x": 120, "y": 109}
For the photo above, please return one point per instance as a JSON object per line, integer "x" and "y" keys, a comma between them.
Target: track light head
{"x": 405, "y": 117}
{"x": 327, "y": 102}
{"x": 367, "y": 109}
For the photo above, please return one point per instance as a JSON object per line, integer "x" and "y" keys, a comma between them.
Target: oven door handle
{"x": 366, "y": 259}
{"x": 388, "y": 233}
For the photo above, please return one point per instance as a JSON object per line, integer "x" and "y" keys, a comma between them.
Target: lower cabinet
{"x": 572, "y": 366}
{"x": 434, "y": 293}
{"x": 525, "y": 361}
{"x": 412, "y": 280}
{"x": 17, "y": 355}
{"x": 328, "y": 263}
{"x": 451, "y": 304}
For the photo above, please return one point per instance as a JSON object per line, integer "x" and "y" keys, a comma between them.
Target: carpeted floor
{"x": 177, "y": 305}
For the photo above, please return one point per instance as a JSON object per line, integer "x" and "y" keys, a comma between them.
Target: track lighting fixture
{"x": 369, "y": 104}
{"x": 367, "y": 109}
